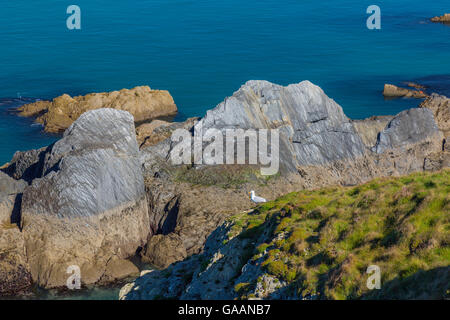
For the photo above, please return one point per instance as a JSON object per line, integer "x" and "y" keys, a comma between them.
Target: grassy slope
{"x": 328, "y": 238}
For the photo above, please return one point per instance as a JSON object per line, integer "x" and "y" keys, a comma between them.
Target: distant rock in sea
{"x": 392, "y": 91}
{"x": 444, "y": 18}
{"x": 142, "y": 102}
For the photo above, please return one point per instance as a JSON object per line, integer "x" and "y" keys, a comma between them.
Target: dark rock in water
{"x": 407, "y": 128}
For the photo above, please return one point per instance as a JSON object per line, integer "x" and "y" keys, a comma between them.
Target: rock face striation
{"x": 408, "y": 127}
{"x": 87, "y": 205}
{"x": 142, "y": 102}
{"x": 314, "y": 130}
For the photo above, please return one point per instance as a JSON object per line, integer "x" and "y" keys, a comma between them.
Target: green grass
{"x": 323, "y": 241}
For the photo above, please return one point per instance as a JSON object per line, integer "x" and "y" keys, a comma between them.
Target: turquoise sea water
{"x": 204, "y": 50}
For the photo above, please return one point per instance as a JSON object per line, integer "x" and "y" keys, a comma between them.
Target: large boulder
{"x": 407, "y": 128}
{"x": 142, "y": 102}
{"x": 410, "y": 142}
{"x": 313, "y": 128}
{"x": 89, "y": 209}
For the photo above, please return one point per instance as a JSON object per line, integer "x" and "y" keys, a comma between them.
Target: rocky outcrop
{"x": 87, "y": 204}
{"x": 392, "y": 91}
{"x": 142, "y": 102}
{"x": 15, "y": 277}
{"x": 162, "y": 251}
{"x": 411, "y": 142}
{"x": 94, "y": 197}
{"x": 27, "y": 165}
{"x": 319, "y": 147}
{"x": 149, "y": 134}
{"x": 313, "y": 128}
{"x": 440, "y": 106}
{"x": 9, "y": 186}
{"x": 443, "y": 19}
{"x": 408, "y": 127}
{"x": 292, "y": 248}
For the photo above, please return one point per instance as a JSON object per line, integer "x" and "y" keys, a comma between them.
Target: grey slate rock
{"x": 313, "y": 128}
{"x": 9, "y": 186}
{"x": 93, "y": 168}
{"x": 27, "y": 165}
{"x": 408, "y": 127}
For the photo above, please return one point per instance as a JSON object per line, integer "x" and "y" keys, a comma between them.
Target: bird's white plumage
{"x": 255, "y": 198}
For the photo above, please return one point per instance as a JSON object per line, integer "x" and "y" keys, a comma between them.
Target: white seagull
{"x": 256, "y": 199}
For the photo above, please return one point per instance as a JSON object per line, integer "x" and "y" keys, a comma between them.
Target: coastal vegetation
{"x": 321, "y": 242}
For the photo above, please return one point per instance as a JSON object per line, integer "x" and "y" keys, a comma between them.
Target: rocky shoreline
{"x": 106, "y": 191}
{"x": 142, "y": 102}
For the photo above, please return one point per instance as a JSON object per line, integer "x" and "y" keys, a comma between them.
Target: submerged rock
{"x": 142, "y": 102}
